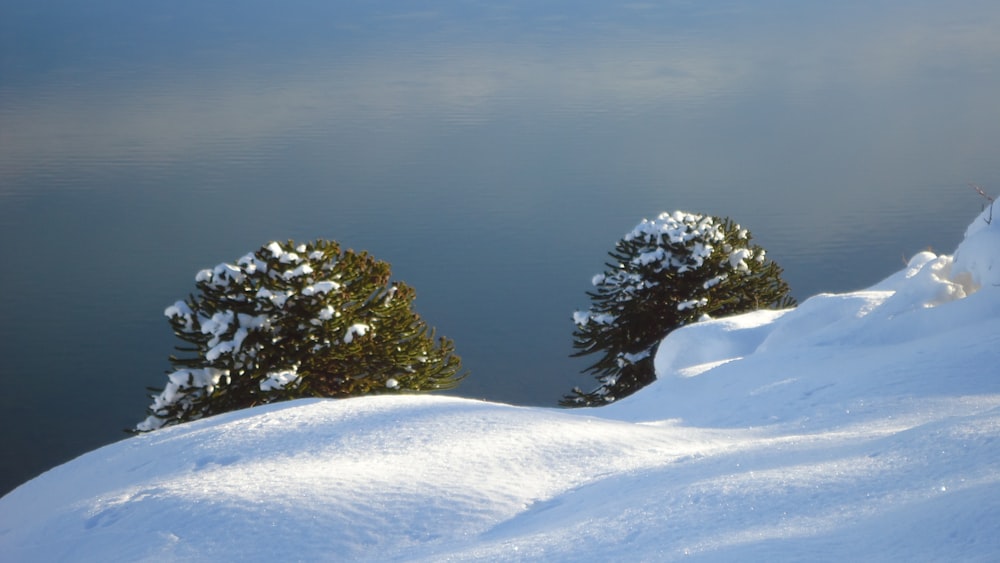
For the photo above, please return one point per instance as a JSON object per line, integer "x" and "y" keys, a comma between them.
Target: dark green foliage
{"x": 663, "y": 275}
{"x": 297, "y": 321}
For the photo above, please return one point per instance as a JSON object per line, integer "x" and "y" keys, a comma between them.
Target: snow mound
{"x": 977, "y": 256}
{"x": 859, "y": 426}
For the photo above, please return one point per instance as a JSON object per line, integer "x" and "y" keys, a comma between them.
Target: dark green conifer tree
{"x": 291, "y": 321}
{"x": 663, "y": 275}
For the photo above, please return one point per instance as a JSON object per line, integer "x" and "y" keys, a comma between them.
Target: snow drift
{"x": 859, "y": 426}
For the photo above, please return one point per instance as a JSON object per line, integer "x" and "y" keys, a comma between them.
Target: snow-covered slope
{"x": 861, "y": 426}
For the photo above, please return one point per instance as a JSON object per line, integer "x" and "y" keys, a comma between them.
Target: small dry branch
{"x": 988, "y": 198}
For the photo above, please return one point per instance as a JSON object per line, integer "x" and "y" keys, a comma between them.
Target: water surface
{"x": 492, "y": 153}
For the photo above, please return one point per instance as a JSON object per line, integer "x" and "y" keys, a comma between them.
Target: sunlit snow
{"x": 278, "y": 380}
{"x": 357, "y": 329}
{"x": 856, "y": 427}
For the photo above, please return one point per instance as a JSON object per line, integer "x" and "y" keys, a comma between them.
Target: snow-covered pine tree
{"x": 291, "y": 321}
{"x": 665, "y": 274}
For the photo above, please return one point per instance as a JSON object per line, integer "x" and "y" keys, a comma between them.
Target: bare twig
{"x": 988, "y": 198}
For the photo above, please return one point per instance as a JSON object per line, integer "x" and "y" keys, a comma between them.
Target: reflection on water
{"x": 491, "y": 153}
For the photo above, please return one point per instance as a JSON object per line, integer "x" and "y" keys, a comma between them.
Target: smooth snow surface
{"x": 861, "y": 426}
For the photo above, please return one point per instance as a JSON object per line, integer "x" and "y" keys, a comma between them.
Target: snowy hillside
{"x": 860, "y": 426}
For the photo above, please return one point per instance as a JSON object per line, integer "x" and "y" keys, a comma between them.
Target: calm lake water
{"x": 492, "y": 152}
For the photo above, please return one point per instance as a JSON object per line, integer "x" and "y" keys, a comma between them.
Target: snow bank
{"x": 858, "y": 426}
